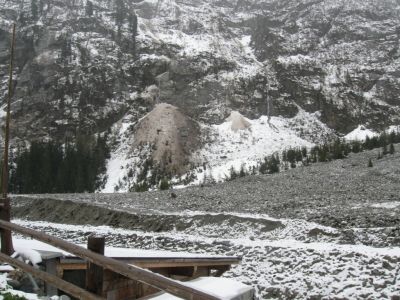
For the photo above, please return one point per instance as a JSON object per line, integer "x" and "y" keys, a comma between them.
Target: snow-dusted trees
{"x": 120, "y": 12}
{"x": 48, "y": 167}
{"x": 34, "y": 9}
{"x": 89, "y": 8}
{"x": 133, "y": 27}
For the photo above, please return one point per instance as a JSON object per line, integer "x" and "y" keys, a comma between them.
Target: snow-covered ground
{"x": 296, "y": 260}
{"x": 248, "y": 146}
{"x": 361, "y": 133}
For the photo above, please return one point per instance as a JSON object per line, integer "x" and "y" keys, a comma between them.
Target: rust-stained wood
{"x": 160, "y": 282}
{"x": 63, "y": 285}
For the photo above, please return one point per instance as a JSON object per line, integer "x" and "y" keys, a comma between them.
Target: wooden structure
{"x": 123, "y": 277}
{"x": 115, "y": 286}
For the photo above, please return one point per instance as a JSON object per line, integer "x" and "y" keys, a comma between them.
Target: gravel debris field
{"x": 327, "y": 231}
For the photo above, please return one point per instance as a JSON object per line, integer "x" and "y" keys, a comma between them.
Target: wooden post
{"x": 5, "y": 211}
{"x": 94, "y": 273}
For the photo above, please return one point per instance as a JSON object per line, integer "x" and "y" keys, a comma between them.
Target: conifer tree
{"x": 34, "y": 9}
{"x": 274, "y": 164}
{"x": 379, "y": 155}
{"x": 304, "y": 152}
{"x": 370, "y": 164}
{"x": 242, "y": 172}
{"x": 164, "y": 184}
{"x": 89, "y": 8}
{"x": 133, "y": 27}
{"x": 356, "y": 147}
{"x": 367, "y": 143}
{"x": 232, "y": 174}
{"x": 120, "y": 12}
{"x": 385, "y": 149}
{"x": 323, "y": 154}
{"x": 391, "y": 148}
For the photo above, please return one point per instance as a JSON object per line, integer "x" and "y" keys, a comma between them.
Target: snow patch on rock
{"x": 360, "y": 134}
{"x": 229, "y": 147}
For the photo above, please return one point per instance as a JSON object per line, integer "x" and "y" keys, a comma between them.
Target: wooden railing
{"x": 147, "y": 277}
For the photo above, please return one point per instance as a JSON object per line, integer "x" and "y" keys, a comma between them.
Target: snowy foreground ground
{"x": 328, "y": 231}
{"x": 287, "y": 262}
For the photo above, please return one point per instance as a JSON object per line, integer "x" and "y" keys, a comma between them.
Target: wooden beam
{"x": 63, "y": 285}
{"x": 145, "y": 276}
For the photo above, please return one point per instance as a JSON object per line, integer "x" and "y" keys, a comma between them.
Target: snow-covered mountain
{"x": 298, "y": 71}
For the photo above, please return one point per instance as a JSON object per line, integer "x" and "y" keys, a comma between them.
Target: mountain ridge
{"x": 87, "y": 66}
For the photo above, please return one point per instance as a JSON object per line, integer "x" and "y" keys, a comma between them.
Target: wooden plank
{"x": 65, "y": 286}
{"x": 146, "y": 265}
{"x": 160, "y": 282}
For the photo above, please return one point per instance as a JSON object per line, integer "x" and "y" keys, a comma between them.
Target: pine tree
{"x": 337, "y": 150}
{"x": 304, "y": 152}
{"x": 379, "y": 155}
{"x": 367, "y": 143}
{"x": 242, "y": 172}
{"x": 383, "y": 139}
{"x": 22, "y": 19}
{"x": 274, "y": 164}
{"x": 41, "y": 6}
{"x": 133, "y": 25}
{"x": 232, "y": 174}
{"x": 164, "y": 184}
{"x": 370, "y": 165}
{"x": 34, "y": 9}
{"x": 141, "y": 187}
{"x": 284, "y": 156}
{"x": 264, "y": 166}
{"x": 314, "y": 154}
{"x": 291, "y": 156}
{"x": 89, "y": 8}
{"x": 299, "y": 155}
{"x": 323, "y": 154}
{"x": 120, "y": 12}
{"x": 356, "y": 147}
{"x": 391, "y": 149}
{"x": 385, "y": 149}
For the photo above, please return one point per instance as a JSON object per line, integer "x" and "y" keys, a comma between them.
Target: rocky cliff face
{"x": 86, "y": 65}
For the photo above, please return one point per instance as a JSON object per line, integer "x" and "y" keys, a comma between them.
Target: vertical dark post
{"x": 94, "y": 273}
{"x": 5, "y": 211}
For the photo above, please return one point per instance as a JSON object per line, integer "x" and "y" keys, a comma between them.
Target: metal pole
{"x": 5, "y": 211}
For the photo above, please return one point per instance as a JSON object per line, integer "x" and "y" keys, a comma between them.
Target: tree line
{"x": 50, "y": 167}
{"x": 338, "y": 149}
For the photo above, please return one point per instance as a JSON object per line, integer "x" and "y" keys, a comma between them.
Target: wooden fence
{"x": 157, "y": 281}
